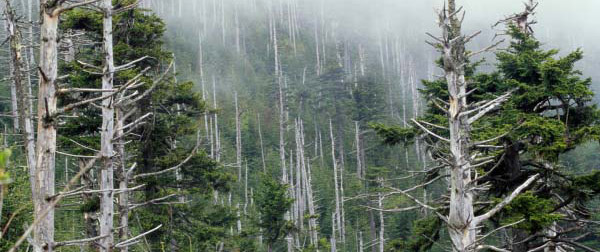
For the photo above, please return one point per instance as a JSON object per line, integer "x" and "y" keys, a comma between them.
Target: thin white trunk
{"x": 223, "y": 20}
{"x": 201, "y": 69}
{"x": 237, "y": 30}
{"x": 381, "y": 219}
{"x": 300, "y": 172}
{"x": 107, "y": 134}
{"x": 239, "y": 219}
{"x": 262, "y": 148}
{"x": 332, "y": 238}
{"x": 307, "y": 184}
{"x": 359, "y": 169}
{"x": 217, "y": 152}
{"x": 317, "y": 52}
{"x": 238, "y": 137}
{"x": 338, "y": 219}
{"x": 123, "y": 176}
{"x": 11, "y": 33}
{"x": 360, "y": 242}
{"x": 22, "y": 91}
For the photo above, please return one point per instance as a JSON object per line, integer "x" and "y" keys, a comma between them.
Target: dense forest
{"x": 299, "y": 125}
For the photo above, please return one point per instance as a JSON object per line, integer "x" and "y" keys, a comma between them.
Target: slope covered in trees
{"x": 286, "y": 125}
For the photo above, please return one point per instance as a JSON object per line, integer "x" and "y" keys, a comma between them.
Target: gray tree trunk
{"x": 43, "y": 233}
{"x": 106, "y": 135}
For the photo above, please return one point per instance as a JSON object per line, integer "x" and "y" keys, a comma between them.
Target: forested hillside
{"x": 288, "y": 125}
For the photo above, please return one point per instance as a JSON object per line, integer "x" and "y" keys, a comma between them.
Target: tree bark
{"x": 43, "y": 233}
{"x": 106, "y": 136}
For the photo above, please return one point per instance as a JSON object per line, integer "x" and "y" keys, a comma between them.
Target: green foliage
{"x": 4, "y": 158}
{"x": 393, "y": 135}
{"x": 537, "y": 212}
{"x": 91, "y": 205}
{"x": 425, "y": 232}
{"x": 272, "y": 203}
{"x": 589, "y": 182}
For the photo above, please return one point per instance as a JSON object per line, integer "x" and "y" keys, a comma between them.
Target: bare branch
{"x": 491, "y": 105}
{"x": 498, "y": 229}
{"x": 133, "y": 239}
{"x": 62, "y": 9}
{"x": 507, "y": 200}
{"x": 490, "y": 247}
{"x": 430, "y": 132}
{"x": 77, "y": 242}
{"x": 487, "y": 49}
{"x": 153, "y": 201}
{"x": 187, "y": 159}
{"x": 130, "y": 64}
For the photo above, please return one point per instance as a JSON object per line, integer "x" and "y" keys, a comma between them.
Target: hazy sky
{"x": 563, "y": 24}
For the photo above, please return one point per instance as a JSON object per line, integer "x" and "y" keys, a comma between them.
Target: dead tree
{"x": 262, "y": 148}
{"x": 43, "y": 235}
{"x": 23, "y": 89}
{"x": 10, "y": 27}
{"x": 107, "y": 133}
{"x": 338, "y": 217}
{"x": 463, "y": 224}
{"x": 522, "y": 20}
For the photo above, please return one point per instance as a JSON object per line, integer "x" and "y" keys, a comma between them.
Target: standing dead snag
{"x": 463, "y": 224}
{"x": 43, "y": 235}
{"x": 107, "y": 133}
{"x": 23, "y": 89}
{"x": 522, "y": 20}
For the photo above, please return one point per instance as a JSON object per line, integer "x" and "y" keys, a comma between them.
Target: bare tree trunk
{"x": 462, "y": 229}
{"x": 123, "y": 177}
{"x": 307, "y": 185}
{"x": 107, "y": 134}
{"x": 360, "y": 242}
{"x": 216, "y": 122}
{"x": 318, "y": 66}
{"x": 300, "y": 187}
{"x": 262, "y": 148}
{"x": 43, "y": 233}
{"x": 381, "y": 219}
{"x": 372, "y": 230}
{"x": 201, "y": 69}
{"x": 332, "y": 238}
{"x": 237, "y": 29}
{"x": 359, "y": 169}
{"x": 338, "y": 219}
{"x": 223, "y": 20}
{"x": 90, "y": 218}
{"x": 11, "y": 33}
{"x": 238, "y": 137}
{"x": 22, "y": 93}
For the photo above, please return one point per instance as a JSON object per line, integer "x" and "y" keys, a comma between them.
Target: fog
{"x": 565, "y": 25}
